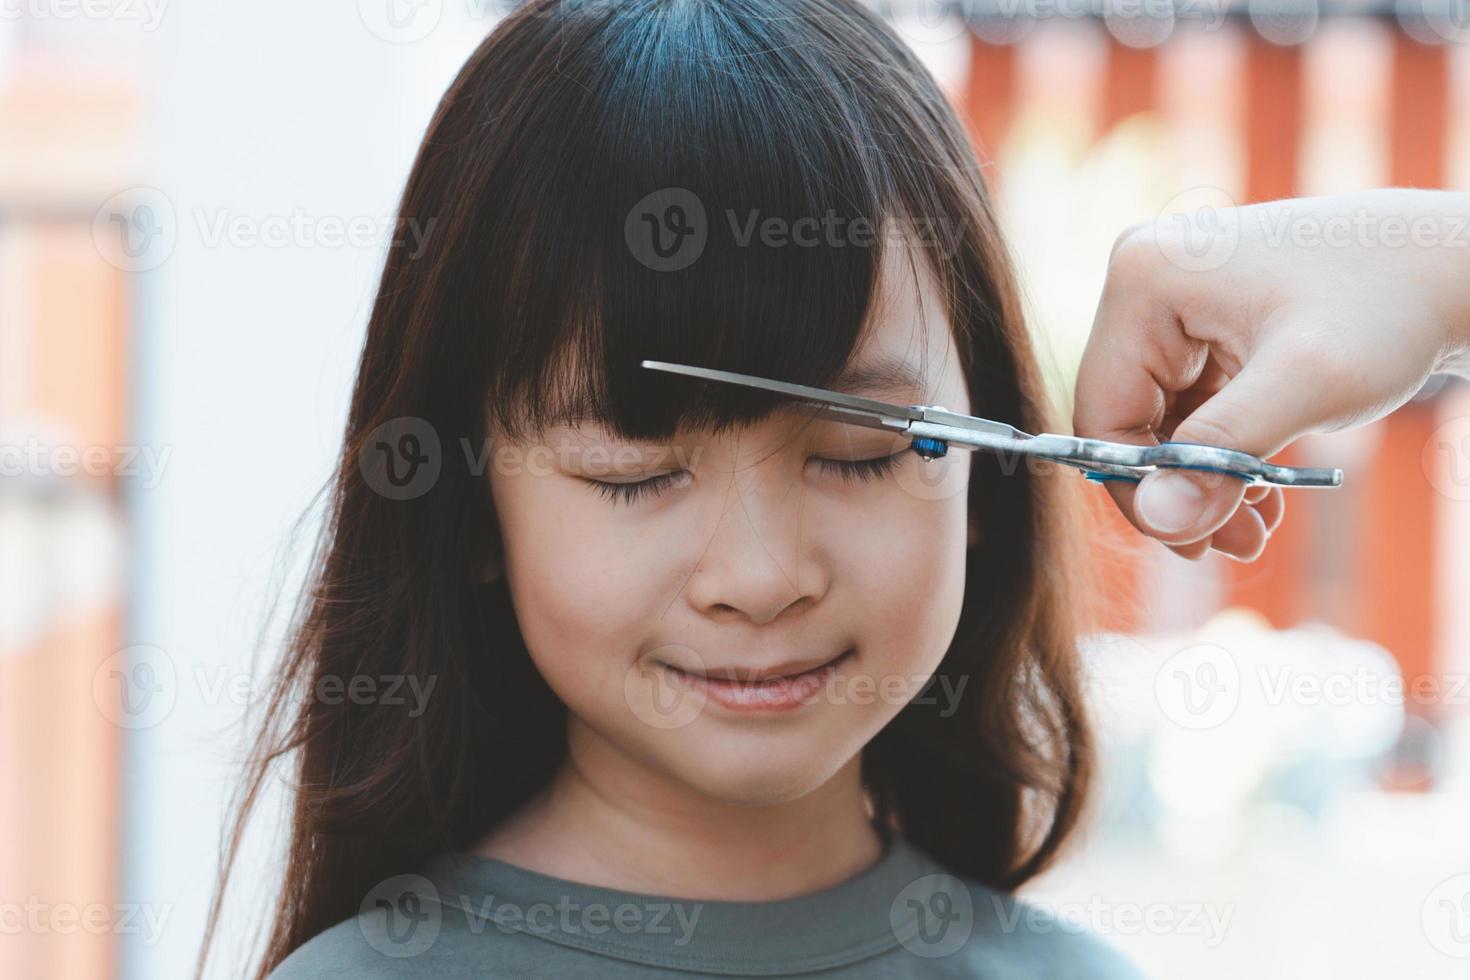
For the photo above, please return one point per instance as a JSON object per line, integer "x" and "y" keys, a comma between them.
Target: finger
{"x": 1125, "y": 496}
{"x": 1256, "y": 492}
{"x": 1194, "y": 551}
{"x": 1136, "y": 374}
{"x": 1243, "y": 536}
{"x": 1272, "y": 509}
{"x": 1180, "y": 506}
{"x": 1258, "y": 411}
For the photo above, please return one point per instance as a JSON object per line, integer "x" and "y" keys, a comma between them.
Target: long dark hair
{"x": 529, "y": 297}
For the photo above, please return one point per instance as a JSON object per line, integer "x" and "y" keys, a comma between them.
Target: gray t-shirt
{"x": 472, "y": 916}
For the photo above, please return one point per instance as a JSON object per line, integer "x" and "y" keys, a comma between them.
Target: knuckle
{"x": 1134, "y": 251}
{"x": 1088, "y": 421}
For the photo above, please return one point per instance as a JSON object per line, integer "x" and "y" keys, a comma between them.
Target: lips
{"x": 789, "y": 668}
{"x": 779, "y": 687}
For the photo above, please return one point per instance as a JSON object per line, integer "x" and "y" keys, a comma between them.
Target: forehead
{"x": 909, "y": 327}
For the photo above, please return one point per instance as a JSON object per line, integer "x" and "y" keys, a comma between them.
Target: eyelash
{"x": 851, "y": 471}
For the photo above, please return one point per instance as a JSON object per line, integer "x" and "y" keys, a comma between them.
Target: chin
{"x": 758, "y": 771}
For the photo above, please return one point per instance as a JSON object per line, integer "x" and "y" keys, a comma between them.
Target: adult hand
{"x": 1312, "y": 315}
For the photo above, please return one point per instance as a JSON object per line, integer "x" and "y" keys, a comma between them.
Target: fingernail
{"x": 1170, "y": 502}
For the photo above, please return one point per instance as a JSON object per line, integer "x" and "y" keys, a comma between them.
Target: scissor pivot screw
{"x": 930, "y": 448}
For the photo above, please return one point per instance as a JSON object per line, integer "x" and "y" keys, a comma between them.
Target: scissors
{"x": 933, "y": 428}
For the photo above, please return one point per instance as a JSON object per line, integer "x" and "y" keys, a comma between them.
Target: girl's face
{"x": 654, "y": 606}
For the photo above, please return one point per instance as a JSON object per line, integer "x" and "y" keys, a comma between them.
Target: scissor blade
{"x": 844, "y": 408}
{"x": 1098, "y": 458}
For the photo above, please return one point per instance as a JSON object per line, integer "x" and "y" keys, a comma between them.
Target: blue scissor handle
{"x": 1104, "y": 477}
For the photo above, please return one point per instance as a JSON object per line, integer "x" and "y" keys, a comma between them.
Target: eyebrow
{"x": 878, "y": 376}
{"x": 882, "y": 375}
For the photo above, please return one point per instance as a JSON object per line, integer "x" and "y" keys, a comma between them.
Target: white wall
{"x": 273, "y": 108}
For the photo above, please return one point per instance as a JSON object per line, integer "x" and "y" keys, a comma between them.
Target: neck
{"x": 608, "y": 820}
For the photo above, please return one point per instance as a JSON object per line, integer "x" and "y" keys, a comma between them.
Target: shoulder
{"x": 1032, "y": 939}
{"x": 340, "y": 952}
{"x": 409, "y": 939}
{"x": 980, "y": 931}
{"x": 366, "y": 946}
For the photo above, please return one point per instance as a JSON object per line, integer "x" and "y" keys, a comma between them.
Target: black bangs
{"x": 708, "y": 183}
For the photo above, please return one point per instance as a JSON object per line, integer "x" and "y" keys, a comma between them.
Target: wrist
{"x": 1441, "y": 265}
{"x": 1454, "y": 356}
{"x": 1457, "y": 317}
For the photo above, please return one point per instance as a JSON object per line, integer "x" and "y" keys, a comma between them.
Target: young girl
{"x": 688, "y": 680}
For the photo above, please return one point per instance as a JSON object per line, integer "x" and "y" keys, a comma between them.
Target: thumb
{"x": 1259, "y": 411}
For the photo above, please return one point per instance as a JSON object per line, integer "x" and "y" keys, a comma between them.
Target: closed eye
{"x": 849, "y": 470}
{"x": 861, "y": 470}
{"x": 631, "y": 492}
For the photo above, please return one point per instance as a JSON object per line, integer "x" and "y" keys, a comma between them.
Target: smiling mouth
{"x": 779, "y": 688}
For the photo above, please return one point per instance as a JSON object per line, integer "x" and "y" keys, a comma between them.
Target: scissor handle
{"x": 1216, "y": 459}
{"x": 1097, "y": 476}
{"x": 1102, "y": 460}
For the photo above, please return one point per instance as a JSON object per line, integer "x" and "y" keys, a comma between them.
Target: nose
{"x": 761, "y": 559}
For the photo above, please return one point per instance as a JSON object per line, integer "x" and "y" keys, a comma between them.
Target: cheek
{"x": 909, "y": 567}
{"x": 583, "y": 592}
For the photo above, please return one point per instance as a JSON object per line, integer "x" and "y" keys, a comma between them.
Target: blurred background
{"x": 195, "y": 201}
